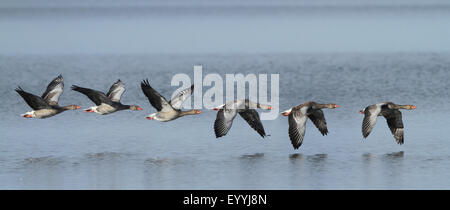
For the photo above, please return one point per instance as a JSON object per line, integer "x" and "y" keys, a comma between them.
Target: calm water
{"x": 77, "y": 150}
{"x": 352, "y": 54}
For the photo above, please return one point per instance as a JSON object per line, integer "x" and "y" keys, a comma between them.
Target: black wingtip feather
{"x": 74, "y": 87}
{"x": 296, "y": 146}
{"x": 365, "y": 135}
{"x": 218, "y": 131}
{"x": 19, "y": 89}
{"x": 145, "y": 83}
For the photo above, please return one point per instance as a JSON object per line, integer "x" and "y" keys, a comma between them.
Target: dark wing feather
{"x": 54, "y": 91}
{"x": 34, "y": 101}
{"x": 96, "y": 96}
{"x": 223, "y": 122}
{"x": 297, "y": 127}
{"x": 155, "y": 99}
{"x": 395, "y": 123}
{"x": 317, "y": 117}
{"x": 252, "y": 118}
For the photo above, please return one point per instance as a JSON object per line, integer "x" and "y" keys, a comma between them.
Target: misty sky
{"x": 88, "y": 26}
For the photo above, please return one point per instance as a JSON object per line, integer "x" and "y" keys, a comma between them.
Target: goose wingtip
{"x": 18, "y": 89}
{"x": 145, "y": 82}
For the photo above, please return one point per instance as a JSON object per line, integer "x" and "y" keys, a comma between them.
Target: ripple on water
{"x": 252, "y": 156}
{"x": 107, "y": 155}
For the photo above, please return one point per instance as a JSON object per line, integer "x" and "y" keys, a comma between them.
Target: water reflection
{"x": 293, "y": 158}
{"x": 383, "y": 171}
{"x": 307, "y": 171}
{"x": 158, "y": 161}
{"x": 317, "y": 158}
{"x": 394, "y": 155}
{"x": 253, "y": 170}
{"x": 367, "y": 157}
{"x": 252, "y": 156}
{"x": 158, "y": 172}
{"x": 42, "y": 172}
{"x": 43, "y": 161}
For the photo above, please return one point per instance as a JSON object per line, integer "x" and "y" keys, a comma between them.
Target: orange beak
{"x": 413, "y": 107}
{"x": 149, "y": 118}
{"x": 361, "y": 112}
{"x": 78, "y": 107}
{"x": 198, "y": 112}
{"x": 336, "y": 106}
{"x": 28, "y": 116}
{"x": 286, "y": 113}
{"x": 89, "y": 110}
{"x": 269, "y": 108}
{"x": 215, "y": 109}
{"x": 139, "y": 108}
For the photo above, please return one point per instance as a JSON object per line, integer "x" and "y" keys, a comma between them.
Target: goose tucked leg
{"x": 92, "y": 109}
{"x": 28, "y": 114}
{"x": 151, "y": 116}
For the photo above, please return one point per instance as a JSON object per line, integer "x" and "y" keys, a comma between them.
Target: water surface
{"x": 77, "y": 150}
{"x": 352, "y": 53}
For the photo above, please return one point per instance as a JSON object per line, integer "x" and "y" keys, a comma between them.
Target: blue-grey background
{"x": 353, "y": 53}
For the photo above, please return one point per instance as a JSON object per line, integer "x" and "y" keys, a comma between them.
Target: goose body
{"x": 167, "y": 111}
{"x": 298, "y": 115}
{"x": 393, "y": 116}
{"x": 246, "y": 109}
{"x": 41, "y": 113}
{"x": 46, "y": 105}
{"x": 109, "y": 103}
{"x": 103, "y": 109}
{"x": 168, "y": 116}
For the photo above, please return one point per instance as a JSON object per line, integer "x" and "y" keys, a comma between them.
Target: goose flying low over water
{"x": 167, "y": 111}
{"x": 46, "y": 105}
{"x": 298, "y": 116}
{"x": 109, "y": 103}
{"x": 245, "y": 108}
{"x": 393, "y": 116}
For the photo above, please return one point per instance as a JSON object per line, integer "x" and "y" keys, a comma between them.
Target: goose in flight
{"x": 109, "y": 103}
{"x": 167, "y": 111}
{"x": 298, "y": 116}
{"x": 46, "y": 105}
{"x": 246, "y": 109}
{"x": 393, "y": 116}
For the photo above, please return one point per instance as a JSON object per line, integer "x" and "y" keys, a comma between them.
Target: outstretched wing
{"x": 116, "y": 91}
{"x": 178, "y": 99}
{"x": 319, "y": 121}
{"x": 297, "y": 127}
{"x": 252, "y": 118}
{"x": 96, "y": 96}
{"x": 155, "y": 99}
{"x": 34, "y": 101}
{"x": 54, "y": 90}
{"x": 395, "y": 123}
{"x": 223, "y": 122}
{"x": 370, "y": 119}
